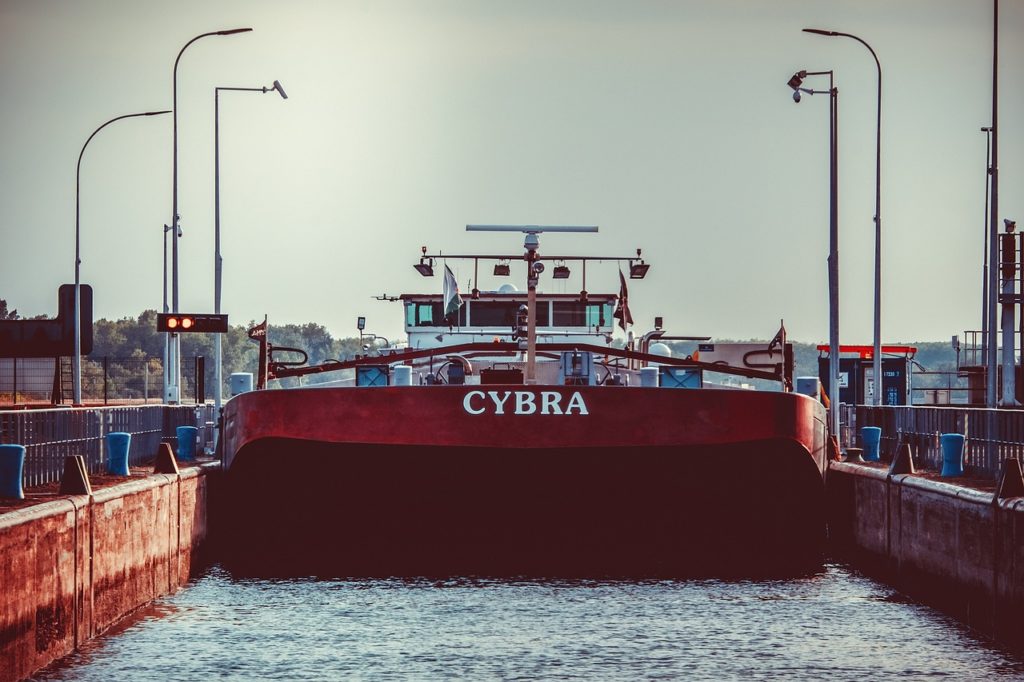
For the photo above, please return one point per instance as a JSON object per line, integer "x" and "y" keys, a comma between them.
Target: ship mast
{"x": 534, "y": 267}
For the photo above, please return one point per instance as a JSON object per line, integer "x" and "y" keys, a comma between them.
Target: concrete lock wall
{"x": 73, "y": 567}
{"x": 951, "y": 547}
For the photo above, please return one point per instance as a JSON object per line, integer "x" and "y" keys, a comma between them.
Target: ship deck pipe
{"x": 952, "y": 445}
{"x": 118, "y": 445}
{"x": 871, "y": 438}
{"x": 12, "y": 468}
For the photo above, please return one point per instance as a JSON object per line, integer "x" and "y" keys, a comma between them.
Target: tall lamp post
{"x": 171, "y": 388}
{"x": 796, "y": 82}
{"x": 217, "y": 260}
{"x": 76, "y": 359}
{"x": 876, "y": 355}
{"x": 991, "y": 366}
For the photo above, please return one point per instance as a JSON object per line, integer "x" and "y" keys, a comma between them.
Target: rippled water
{"x": 835, "y": 624}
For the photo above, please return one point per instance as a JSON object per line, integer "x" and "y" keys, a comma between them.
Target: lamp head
{"x": 280, "y": 90}
{"x": 1011, "y": 225}
{"x": 232, "y": 31}
{"x": 820, "y": 32}
{"x": 798, "y": 79}
{"x": 796, "y": 95}
{"x": 638, "y": 270}
{"x": 425, "y": 267}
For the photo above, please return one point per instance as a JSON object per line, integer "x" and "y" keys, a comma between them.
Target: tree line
{"x": 134, "y": 341}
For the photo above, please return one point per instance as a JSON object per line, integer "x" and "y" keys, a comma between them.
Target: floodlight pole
{"x": 217, "y": 259}
{"x": 984, "y": 271}
{"x": 76, "y": 359}
{"x": 532, "y": 258}
{"x": 833, "y": 251}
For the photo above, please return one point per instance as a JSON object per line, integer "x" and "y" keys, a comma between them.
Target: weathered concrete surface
{"x": 952, "y": 547}
{"x": 73, "y": 567}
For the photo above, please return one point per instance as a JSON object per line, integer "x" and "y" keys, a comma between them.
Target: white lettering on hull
{"x": 523, "y": 402}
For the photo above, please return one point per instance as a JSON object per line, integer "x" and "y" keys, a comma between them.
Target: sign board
{"x": 50, "y": 338}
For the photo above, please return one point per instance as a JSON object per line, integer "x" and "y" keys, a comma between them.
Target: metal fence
{"x": 990, "y": 435}
{"x": 105, "y": 379}
{"x": 51, "y": 435}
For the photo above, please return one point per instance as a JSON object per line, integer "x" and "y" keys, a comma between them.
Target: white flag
{"x": 450, "y": 289}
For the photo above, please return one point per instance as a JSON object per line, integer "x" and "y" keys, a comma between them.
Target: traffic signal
{"x": 180, "y": 323}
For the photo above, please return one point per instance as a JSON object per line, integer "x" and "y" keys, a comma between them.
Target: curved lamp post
{"x": 217, "y": 260}
{"x": 796, "y": 82}
{"x": 172, "y": 374}
{"x": 76, "y": 359}
{"x": 876, "y": 355}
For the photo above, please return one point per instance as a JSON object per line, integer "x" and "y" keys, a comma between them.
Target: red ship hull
{"x": 525, "y": 480}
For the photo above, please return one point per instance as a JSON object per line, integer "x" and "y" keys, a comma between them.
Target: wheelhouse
{"x": 492, "y": 316}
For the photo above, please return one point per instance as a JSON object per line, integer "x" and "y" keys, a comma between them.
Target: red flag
{"x": 622, "y": 313}
{"x": 259, "y": 331}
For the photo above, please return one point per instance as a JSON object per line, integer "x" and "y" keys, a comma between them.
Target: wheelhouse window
{"x": 427, "y": 314}
{"x": 503, "y": 313}
{"x": 579, "y": 314}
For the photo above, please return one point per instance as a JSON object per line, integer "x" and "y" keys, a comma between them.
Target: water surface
{"x": 833, "y": 624}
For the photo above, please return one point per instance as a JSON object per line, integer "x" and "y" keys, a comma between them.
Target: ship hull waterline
{"x": 450, "y": 480}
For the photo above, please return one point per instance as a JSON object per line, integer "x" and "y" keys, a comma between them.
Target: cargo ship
{"x": 515, "y": 434}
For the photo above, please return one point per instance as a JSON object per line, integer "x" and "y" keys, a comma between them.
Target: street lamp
{"x": 796, "y": 82}
{"x": 991, "y": 367}
{"x": 76, "y": 359}
{"x": 217, "y": 260}
{"x": 876, "y": 363}
{"x": 171, "y": 390}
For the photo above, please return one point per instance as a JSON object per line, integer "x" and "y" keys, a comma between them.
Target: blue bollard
{"x": 118, "y": 445}
{"x": 187, "y": 442}
{"x": 12, "y": 468}
{"x": 952, "y": 454}
{"x": 871, "y": 437}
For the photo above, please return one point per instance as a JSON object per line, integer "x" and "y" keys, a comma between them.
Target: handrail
{"x": 278, "y": 371}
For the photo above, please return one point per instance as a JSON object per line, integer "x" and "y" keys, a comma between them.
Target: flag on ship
{"x": 622, "y": 313}
{"x": 780, "y": 339}
{"x": 257, "y": 332}
{"x": 450, "y": 290}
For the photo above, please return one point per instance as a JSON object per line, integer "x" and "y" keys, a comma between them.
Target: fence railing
{"x": 990, "y": 435}
{"x": 53, "y": 434}
{"x": 35, "y": 381}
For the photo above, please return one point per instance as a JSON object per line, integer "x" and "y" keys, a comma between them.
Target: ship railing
{"x": 281, "y": 370}
{"x": 971, "y": 351}
{"x": 991, "y": 435}
{"x": 50, "y": 435}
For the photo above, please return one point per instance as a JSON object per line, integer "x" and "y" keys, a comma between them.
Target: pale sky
{"x": 668, "y": 124}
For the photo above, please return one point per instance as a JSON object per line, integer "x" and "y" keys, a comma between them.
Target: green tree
{"x": 6, "y": 314}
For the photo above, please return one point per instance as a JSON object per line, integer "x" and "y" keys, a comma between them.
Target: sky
{"x": 667, "y": 124}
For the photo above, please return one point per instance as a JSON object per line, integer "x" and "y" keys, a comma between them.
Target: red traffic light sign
{"x": 180, "y": 323}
